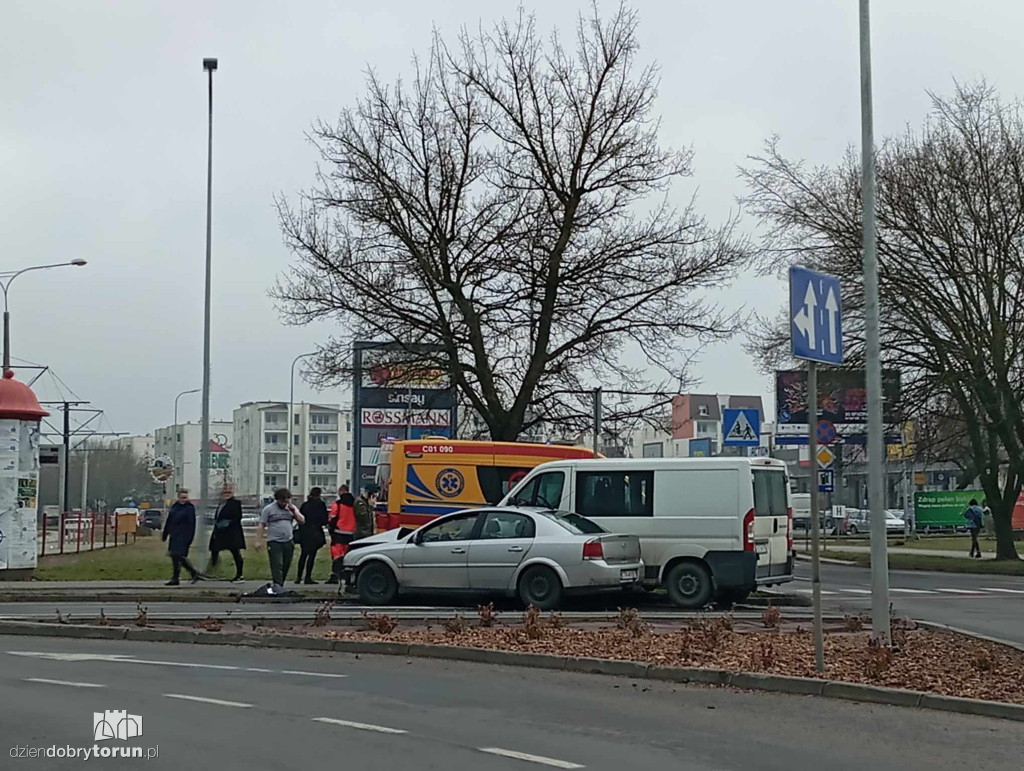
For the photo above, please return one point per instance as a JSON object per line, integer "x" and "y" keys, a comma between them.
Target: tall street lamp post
{"x": 209, "y": 66}
{"x": 5, "y": 284}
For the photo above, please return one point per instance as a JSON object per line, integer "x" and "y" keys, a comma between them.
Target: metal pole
{"x": 7, "y": 336}
{"x": 876, "y": 441}
{"x": 204, "y": 447}
{"x": 597, "y": 419}
{"x": 65, "y": 482}
{"x": 812, "y": 445}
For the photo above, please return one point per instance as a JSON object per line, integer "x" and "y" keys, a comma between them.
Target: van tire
{"x": 377, "y": 584}
{"x": 689, "y": 585}
{"x": 540, "y": 587}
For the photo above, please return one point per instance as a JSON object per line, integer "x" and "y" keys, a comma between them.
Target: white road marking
{"x": 811, "y": 591}
{"x": 958, "y": 591}
{"x": 530, "y": 758}
{"x": 70, "y": 656}
{"x": 997, "y": 589}
{"x": 381, "y": 729}
{"x": 309, "y": 674}
{"x": 912, "y": 591}
{"x": 856, "y": 591}
{"x": 63, "y": 682}
{"x": 187, "y": 664}
{"x": 204, "y": 700}
{"x": 262, "y": 671}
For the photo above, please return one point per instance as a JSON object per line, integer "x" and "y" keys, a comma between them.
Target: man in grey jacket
{"x": 275, "y": 530}
{"x": 975, "y": 519}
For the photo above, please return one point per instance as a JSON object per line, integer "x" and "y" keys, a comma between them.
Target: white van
{"x": 710, "y": 528}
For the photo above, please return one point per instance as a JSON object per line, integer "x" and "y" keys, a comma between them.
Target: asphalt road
{"x": 261, "y": 709}
{"x": 987, "y": 604}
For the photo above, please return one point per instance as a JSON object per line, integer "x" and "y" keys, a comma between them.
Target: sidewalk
{"x": 948, "y": 553}
{"x": 224, "y": 591}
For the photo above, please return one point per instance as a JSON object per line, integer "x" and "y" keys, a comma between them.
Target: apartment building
{"x": 694, "y": 428}
{"x": 317, "y": 437}
{"x": 181, "y": 443}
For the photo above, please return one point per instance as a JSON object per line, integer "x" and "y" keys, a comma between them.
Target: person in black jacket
{"x": 311, "y": 533}
{"x": 179, "y": 530}
{"x": 227, "y": 531}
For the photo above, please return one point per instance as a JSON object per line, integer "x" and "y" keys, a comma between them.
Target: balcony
{"x": 275, "y": 468}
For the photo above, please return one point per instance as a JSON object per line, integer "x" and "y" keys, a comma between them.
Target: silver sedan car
{"x": 537, "y": 554}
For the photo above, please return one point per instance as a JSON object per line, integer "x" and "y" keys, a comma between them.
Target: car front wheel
{"x": 540, "y": 587}
{"x": 377, "y": 584}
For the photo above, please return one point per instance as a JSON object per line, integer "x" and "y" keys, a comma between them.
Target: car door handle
{"x": 775, "y": 522}
{"x": 515, "y": 548}
{"x": 458, "y": 550}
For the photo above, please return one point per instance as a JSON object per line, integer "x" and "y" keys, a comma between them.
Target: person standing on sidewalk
{"x": 179, "y": 530}
{"x": 341, "y": 522}
{"x": 227, "y": 532}
{"x": 275, "y": 530}
{"x": 311, "y": 534}
{"x": 364, "y": 510}
{"x": 975, "y": 519}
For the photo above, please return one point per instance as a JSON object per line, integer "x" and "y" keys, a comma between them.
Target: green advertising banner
{"x": 943, "y": 508}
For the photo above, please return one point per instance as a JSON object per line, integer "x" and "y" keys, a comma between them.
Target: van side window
{"x": 544, "y": 490}
{"x": 615, "y": 493}
{"x": 769, "y": 493}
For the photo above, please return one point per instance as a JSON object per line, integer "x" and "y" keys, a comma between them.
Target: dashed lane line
{"x": 47, "y": 681}
{"x": 205, "y": 700}
{"x": 554, "y": 762}
{"x": 958, "y": 591}
{"x": 310, "y": 674}
{"x": 998, "y": 589}
{"x": 381, "y": 729}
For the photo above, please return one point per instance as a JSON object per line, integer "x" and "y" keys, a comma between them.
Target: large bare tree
{"x": 951, "y": 252}
{"x": 510, "y": 204}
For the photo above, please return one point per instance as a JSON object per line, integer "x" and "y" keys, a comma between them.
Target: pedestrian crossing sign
{"x": 741, "y": 428}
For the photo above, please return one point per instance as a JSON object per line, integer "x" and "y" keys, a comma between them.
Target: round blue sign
{"x": 450, "y": 482}
{"x": 826, "y": 432}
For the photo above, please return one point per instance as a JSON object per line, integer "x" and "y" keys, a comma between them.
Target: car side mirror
{"x": 416, "y": 539}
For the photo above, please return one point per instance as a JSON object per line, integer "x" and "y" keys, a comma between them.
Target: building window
{"x": 269, "y": 438}
{"x": 295, "y": 441}
{"x": 320, "y": 439}
{"x": 295, "y": 481}
{"x": 321, "y": 418}
{"x": 348, "y": 445}
{"x": 702, "y": 410}
{"x": 270, "y": 480}
{"x": 179, "y": 438}
{"x": 348, "y": 465}
{"x": 319, "y": 460}
{"x": 297, "y": 418}
{"x": 707, "y": 427}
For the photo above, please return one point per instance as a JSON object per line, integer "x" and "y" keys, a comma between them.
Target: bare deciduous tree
{"x": 951, "y": 253}
{"x": 510, "y": 204}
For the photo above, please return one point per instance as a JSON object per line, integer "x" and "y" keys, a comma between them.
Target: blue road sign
{"x": 815, "y": 316}
{"x": 826, "y": 432}
{"x": 741, "y": 428}
{"x": 826, "y": 481}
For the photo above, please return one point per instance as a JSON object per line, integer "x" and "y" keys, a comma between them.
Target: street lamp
{"x": 291, "y": 409}
{"x": 5, "y": 283}
{"x": 176, "y": 442}
{"x": 209, "y": 66}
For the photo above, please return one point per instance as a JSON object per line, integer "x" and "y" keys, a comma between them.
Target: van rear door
{"x": 771, "y": 522}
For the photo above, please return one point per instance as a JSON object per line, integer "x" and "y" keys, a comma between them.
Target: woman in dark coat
{"x": 311, "y": 533}
{"x": 227, "y": 531}
{"x": 179, "y": 530}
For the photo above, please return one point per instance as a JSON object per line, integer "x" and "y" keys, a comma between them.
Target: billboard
{"x": 398, "y": 392}
{"x": 943, "y": 508}
{"x": 842, "y": 401}
{"x": 700, "y": 448}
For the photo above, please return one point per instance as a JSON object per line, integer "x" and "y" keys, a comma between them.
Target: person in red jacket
{"x": 341, "y": 524}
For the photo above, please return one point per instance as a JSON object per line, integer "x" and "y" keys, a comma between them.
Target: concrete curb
{"x": 753, "y": 681}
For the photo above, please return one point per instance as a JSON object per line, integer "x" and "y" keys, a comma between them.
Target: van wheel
{"x": 377, "y": 584}
{"x": 726, "y": 598}
{"x": 851, "y": 530}
{"x": 539, "y": 586}
{"x": 689, "y": 585}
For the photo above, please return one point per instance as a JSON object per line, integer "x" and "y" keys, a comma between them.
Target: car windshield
{"x": 574, "y": 523}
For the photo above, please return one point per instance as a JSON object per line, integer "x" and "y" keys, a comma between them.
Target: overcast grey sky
{"x": 103, "y": 154}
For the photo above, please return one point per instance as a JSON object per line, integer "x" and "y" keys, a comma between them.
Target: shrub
{"x": 488, "y": 615}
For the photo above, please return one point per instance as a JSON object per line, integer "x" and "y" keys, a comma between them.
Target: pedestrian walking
{"x": 975, "y": 519}
{"x": 364, "y": 510}
{"x": 227, "y": 532}
{"x": 341, "y": 523}
{"x": 311, "y": 534}
{"x": 179, "y": 530}
{"x": 275, "y": 531}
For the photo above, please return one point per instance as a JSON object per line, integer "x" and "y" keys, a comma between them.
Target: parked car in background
{"x": 151, "y": 518}
{"x": 536, "y": 554}
{"x": 859, "y": 521}
{"x": 801, "y": 504}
